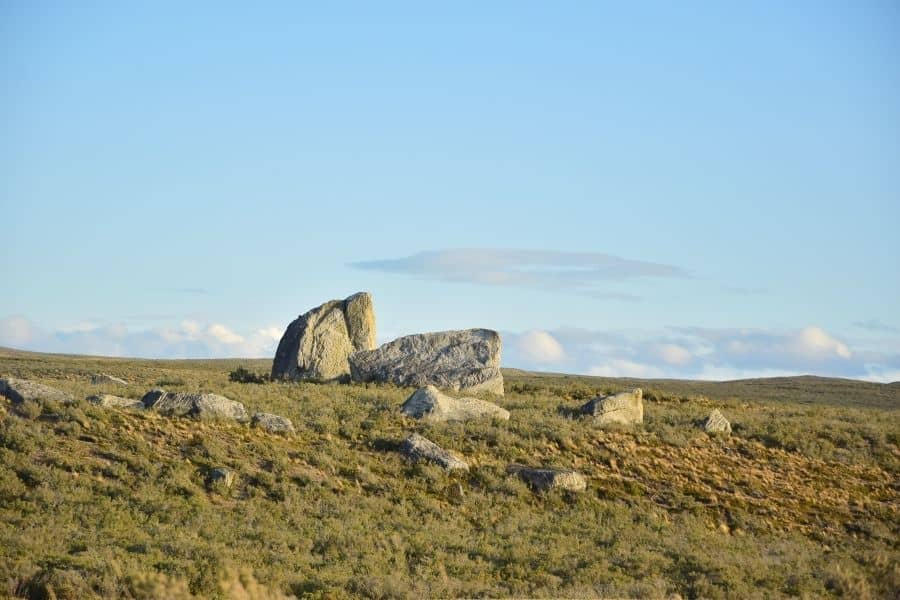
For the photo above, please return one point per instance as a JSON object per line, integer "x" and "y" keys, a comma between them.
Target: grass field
{"x": 802, "y": 500}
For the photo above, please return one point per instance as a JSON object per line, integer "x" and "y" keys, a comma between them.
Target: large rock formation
{"x": 200, "y": 406}
{"x": 543, "y": 479}
{"x": 417, "y": 448}
{"x": 626, "y": 408}
{"x": 458, "y": 360}
{"x": 429, "y": 404}
{"x": 19, "y": 390}
{"x": 317, "y": 344}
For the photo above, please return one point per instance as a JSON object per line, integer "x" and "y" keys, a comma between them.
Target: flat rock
{"x": 110, "y": 401}
{"x": 200, "y": 406}
{"x": 542, "y": 479}
{"x": 102, "y": 378}
{"x": 19, "y": 390}
{"x": 464, "y": 360}
{"x": 717, "y": 423}
{"x": 272, "y": 423}
{"x": 317, "y": 344}
{"x": 417, "y": 447}
{"x": 626, "y": 408}
{"x": 430, "y": 404}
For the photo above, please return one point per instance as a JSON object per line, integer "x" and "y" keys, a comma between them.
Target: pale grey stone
{"x": 272, "y": 423}
{"x": 417, "y": 447}
{"x": 316, "y": 345}
{"x": 626, "y": 408}
{"x": 200, "y": 406}
{"x": 542, "y": 479}
{"x": 103, "y": 378}
{"x": 110, "y": 401}
{"x": 220, "y": 476}
{"x": 19, "y": 390}
{"x": 430, "y": 404}
{"x": 465, "y": 360}
{"x": 717, "y": 423}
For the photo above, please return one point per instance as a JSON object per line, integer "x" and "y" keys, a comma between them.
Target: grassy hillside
{"x": 802, "y": 500}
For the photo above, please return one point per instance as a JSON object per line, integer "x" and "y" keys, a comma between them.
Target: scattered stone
{"x": 106, "y": 378}
{"x": 456, "y": 492}
{"x": 220, "y": 476}
{"x": 429, "y": 404}
{"x": 466, "y": 360}
{"x": 625, "y": 407}
{"x": 717, "y": 423}
{"x": 417, "y": 448}
{"x": 19, "y": 390}
{"x": 273, "y": 423}
{"x": 543, "y": 479}
{"x": 200, "y": 406}
{"x": 110, "y": 401}
{"x": 317, "y": 344}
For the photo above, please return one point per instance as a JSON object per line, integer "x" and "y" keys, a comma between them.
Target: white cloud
{"x": 271, "y": 333}
{"x": 16, "y": 331}
{"x": 625, "y": 368}
{"x": 814, "y": 341}
{"x": 222, "y": 334}
{"x": 540, "y": 347}
{"x": 674, "y": 354}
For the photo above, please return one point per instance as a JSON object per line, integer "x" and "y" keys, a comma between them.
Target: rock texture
{"x": 273, "y": 423}
{"x": 717, "y": 423}
{"x": 417, "y": 448}
{"x": 429, "y": 404}
{"x": 200, "y": 406}
{"x": 110, "y": 401}
{"x": 102, "y": 378}
{"x": 317, "y": 344}
{"x": 220, "y": 476}
{"x": 626, "y": 408}
{"x": 543, "y": 479}
{"x": 466, "y": 360}
{"x": 19, "y": 390}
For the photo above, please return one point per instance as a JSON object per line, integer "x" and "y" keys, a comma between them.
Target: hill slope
{"x": 802, "y": 499}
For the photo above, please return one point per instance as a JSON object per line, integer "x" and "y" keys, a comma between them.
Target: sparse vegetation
{"x": 802, "y": 500}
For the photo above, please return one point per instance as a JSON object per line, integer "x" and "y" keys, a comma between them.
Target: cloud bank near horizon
{"x": 586, "y": 273}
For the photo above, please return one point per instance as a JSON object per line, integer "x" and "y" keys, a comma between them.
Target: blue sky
{"x": 705, "y": 189}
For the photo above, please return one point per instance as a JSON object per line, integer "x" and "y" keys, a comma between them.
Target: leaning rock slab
{"x": 200, "y": 406}
{"x": 110, "y": 401}
{"x": 102, "y": 378}
{"x": 543, "y": 479}
{"x": 316, "y": 345}
{"x": 272, "y": 423}
{"x": 19, "y": 390}
{"x": 429, "y": 404}
{"x": 417, "y": 447}
{"x": 717, "y": 423}
{"x": 466, "y": 360}
{"x": 626, "y": 408}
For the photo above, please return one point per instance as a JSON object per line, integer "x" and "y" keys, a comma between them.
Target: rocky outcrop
{"x": 717, "y": 423}
{"x": 104, "y": 378}
{"x": 429, "y": 404}
{"x": 417, "y": 448}
{"x": 626, "y": 408}
{"x": 317, "y": 344}
{"x": 220, "y": 478}
{"x": 110, "y": 401}
{"x": 199, "y": 406}
{"x": 543, "y": 479}
{"x": 272, "y": 423}
{"x": 466, "y": 360}
{"x": 19, "y": 390}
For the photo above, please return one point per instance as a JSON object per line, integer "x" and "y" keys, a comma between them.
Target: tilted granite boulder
{"x": 272, "y": 423}
{"x": 543, "y": 479}
{"x": 626, "y": 408}
{"x": 417, "y": 447}
{"x": 316, "y": 345}
{"x": 19, "y": 390}
{"x": 199, "y": 406}
{"x": 463, "y": 360}
{"x": 110, "y": 401}
{"x": 104, "y": 378}
{"x": 429, "y": 404}
{"x": 717, "y": 423}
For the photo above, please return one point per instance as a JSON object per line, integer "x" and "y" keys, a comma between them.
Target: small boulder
{"x": 272, "y": 423}
{"x": 429, "y": 404}
{"x": 717, "y": 423}
{"x": 200, "y": 406}
{"x": 220, "y": 477}
{"x": 110, "y": 401}
{"x": 626, "y": 408}
{"x": 543, "y": 479}
{"x": 19, "y": 390}
{"x": 103, "y": 378}
{"x": 417, "y": 448}
{"x": 465, "y": 360}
